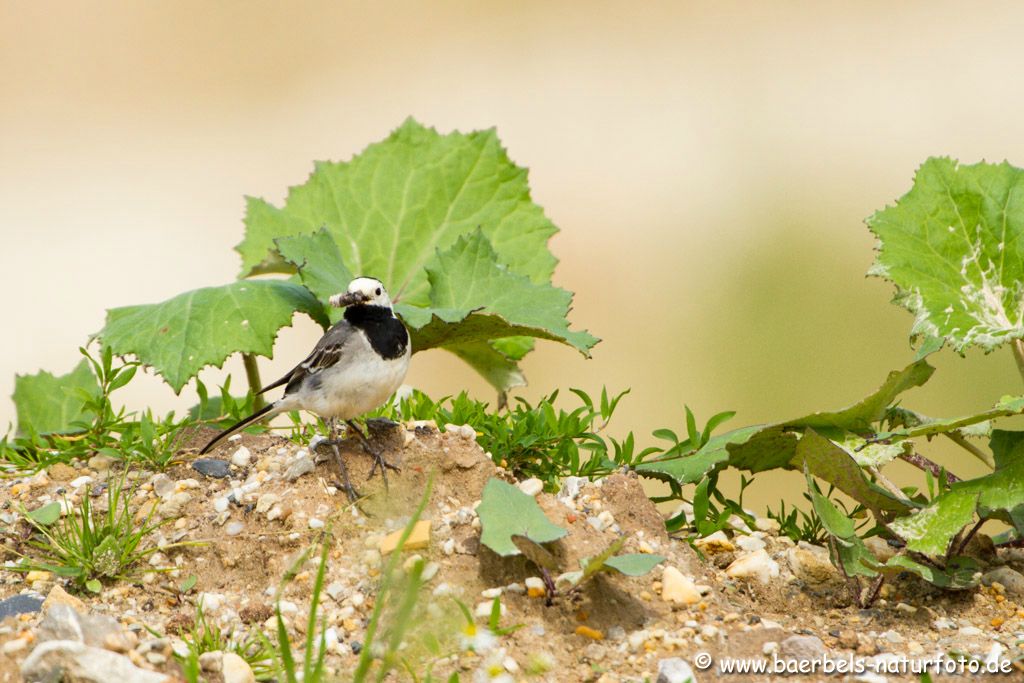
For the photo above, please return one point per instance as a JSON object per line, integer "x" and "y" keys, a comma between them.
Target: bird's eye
{"x": 378, "y": 291}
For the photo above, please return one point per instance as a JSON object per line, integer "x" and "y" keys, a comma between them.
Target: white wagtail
{"x": 353, "y": 369}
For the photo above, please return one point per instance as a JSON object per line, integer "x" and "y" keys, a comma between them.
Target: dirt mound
{"x": 244, "y": 532}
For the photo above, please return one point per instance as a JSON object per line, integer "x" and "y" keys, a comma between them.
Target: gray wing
{"x": 327, "y": 353}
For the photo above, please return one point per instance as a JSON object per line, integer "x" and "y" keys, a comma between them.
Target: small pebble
{"x": 532, "y": 486}
{"x": 241, "y": 457}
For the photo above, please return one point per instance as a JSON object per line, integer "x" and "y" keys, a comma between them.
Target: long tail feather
{"x": 241, "y": 424}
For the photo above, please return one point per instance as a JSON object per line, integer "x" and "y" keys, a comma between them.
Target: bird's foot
{"x": 376, "y": 453}
{"x": 346, "y": 483}
{"x": 383, "y": 465}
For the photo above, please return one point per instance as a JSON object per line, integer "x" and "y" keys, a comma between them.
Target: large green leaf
{"x": 691, "y": 468}
{"x": 959, "y": 572}
{"x": 861, "y": 416}
{"x": 505, "y": 511}
{"x": 447, "y": 223}
{"x": 999, "y": 494}
{"x": 848, "y": 550}
{"x": 825, "y": 459}
{"x": 475, "y": 298}
{"x": 182, "y": 335}
{"x": 47, "y": 404}
{"x": 394, "y": 205}
{"x": 952, "y": 245}
{"x": 772, "y": 446}
{"x": 977, "y": 424}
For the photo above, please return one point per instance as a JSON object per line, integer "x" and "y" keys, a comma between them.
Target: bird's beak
{"x": 348, "y": 299}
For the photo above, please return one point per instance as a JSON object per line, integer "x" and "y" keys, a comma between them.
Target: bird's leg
{"x": 375, "y": 453}
{"x": 333, "y": 442}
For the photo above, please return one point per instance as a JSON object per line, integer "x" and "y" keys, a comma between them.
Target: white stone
{"x": 331, "y": 640}
{"x": 236, "y": 670}
{"x": 677, "y": 588}
{"x": 80, "y": 481}
{"x": 491, "y": 593}
{"x": 241, "y": 457}
{"x": 636, "y": 639}
{"x": 532, "y": 486}
{"x": 335, "y": 590}
{"x": 220, "y": 504}
{"x": 266, "y": 501}
{"x": 675, "y": 670}
{"x": 483, "y": 609}
{"x": 534, "y": 583}
{"x": 315, "y": 523}
{"x": 756, "y": 565}
{"x": 749, "y": 543}
{"x": 211, "y": 601}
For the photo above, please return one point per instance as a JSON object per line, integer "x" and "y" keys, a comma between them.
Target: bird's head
{"x": 367, "y": 291}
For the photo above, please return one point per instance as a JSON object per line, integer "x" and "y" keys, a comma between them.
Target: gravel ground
{"x": 253, "y": 511}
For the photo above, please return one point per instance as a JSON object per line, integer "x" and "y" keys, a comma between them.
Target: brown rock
{"x": 180, "y": 623}
{"x": 58, "y": 596}
{"x": 867, "y": 648}
{"x": 60, "y": 471}
{"x": 255, "y": 614}
{"x": 848, "y": 639}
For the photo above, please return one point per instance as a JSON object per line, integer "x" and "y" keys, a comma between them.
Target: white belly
{"x": 362, "y": 383}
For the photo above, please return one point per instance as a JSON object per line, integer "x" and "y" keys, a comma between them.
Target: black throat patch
{"x": 386, "y": 333}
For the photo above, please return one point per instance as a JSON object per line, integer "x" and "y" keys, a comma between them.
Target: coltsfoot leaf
{"x": 999, "y": 494}
{"x": 953, "y": 248}
{"x": 48, "y": 404}
{"x": 393, "y": 205}
{"x": 475, "y": 298}
{"x": 182, "y": 335}
{"x": 505, "y": 511}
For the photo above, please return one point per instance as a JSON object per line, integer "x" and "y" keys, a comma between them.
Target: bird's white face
{"x": 363, "y": 290}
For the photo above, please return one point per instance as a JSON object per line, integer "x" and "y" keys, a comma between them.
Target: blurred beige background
{"x": 709, "y": 165}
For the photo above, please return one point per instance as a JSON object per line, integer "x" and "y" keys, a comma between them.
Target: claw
{"x": 333, "y": 442}
{"x": 378, "y": 458}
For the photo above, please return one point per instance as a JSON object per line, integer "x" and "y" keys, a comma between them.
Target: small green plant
{"x": 205, "y": 636}
{"x": 712, "y": 509}
{"x": 805, "y": 525}
{"x": 542, "y": 440}
{"x": 89, "y": 545}
{"x": 91, "y": 425}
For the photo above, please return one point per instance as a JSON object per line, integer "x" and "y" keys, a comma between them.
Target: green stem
{"x": 252, "y": 373}
{"x": 1018, "y": 355}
